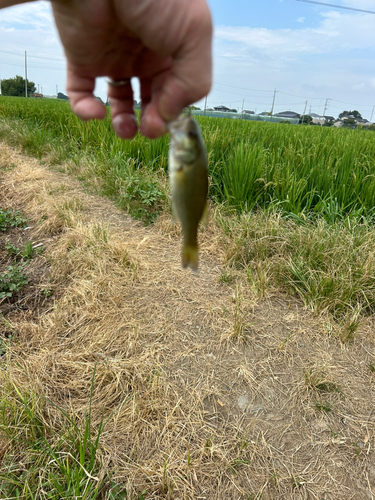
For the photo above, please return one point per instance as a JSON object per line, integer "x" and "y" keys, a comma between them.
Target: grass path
{"x": 210, "y": 393}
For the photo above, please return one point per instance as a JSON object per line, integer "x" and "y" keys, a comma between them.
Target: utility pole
{"x": 0, "y": 88}
{"x": 25, "y": 74}
{"x": 372, "y": 114}
{"x": 326, "y": 106}
{"x": 304, "y": 111}
{"x": 243, "y": 105}
{"x": 57, "y": 90}
{"x": 273, "y": 102}
{"x": 41, "y": 88}
{"x": 38, "y": 88}
{"x": 205, "y": 106}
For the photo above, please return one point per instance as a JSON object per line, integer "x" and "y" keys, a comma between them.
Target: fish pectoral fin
{"x": 190, "y": 257}
{"x": 204, "y": 218}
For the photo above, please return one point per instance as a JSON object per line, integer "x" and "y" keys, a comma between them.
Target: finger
{"x": 82, "y": 101}
{"x": 190, "y": 78}
{"x": 152, "y": 125}
{"x": 123, "y": 117}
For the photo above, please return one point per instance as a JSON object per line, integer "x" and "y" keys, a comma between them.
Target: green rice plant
{"x": 319, "y": 170}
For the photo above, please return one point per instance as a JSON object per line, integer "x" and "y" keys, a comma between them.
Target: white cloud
{"x": 301, "y": 20}
{"x": 333, "y": 59}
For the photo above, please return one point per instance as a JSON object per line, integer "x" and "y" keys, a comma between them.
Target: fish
{"x": 189, "y": 183}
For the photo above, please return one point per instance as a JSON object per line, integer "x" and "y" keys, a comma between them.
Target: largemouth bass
{"x": 189, "y": 183}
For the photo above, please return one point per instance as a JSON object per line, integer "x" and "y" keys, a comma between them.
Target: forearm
{"x": 9, "y": 3}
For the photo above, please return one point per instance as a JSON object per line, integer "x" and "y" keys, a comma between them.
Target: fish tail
{"x": 190, "y": 257}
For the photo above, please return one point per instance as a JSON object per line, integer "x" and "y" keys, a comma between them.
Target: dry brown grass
{"x": 217, "y": 395}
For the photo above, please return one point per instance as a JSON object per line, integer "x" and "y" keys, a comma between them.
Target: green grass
{"x": 50, "y": 454}
{"x": 330, "y": 266}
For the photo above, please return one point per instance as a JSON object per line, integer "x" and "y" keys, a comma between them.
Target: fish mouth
{"x": 175, "y": 126}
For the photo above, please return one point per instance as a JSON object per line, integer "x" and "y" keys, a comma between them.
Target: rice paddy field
{"x": 123, "y": 376}
{"x": 298, "y": 169}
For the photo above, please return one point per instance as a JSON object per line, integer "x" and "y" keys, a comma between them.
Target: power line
{"x": 57, "y": 59}
{"x": 338, "y": 6}
{"x": 286, "y": 93}
{"x": 242, "y": 88}
{"x": 35, "y": 66}
{"x": 300, "y": 96}
{"x": 353, "y": 104}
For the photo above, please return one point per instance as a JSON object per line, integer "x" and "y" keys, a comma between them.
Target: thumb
{"x": 190, "y": 77}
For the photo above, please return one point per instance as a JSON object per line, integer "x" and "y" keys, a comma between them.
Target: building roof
{"x": 288, "y": 114}
{"x": 221, "y": 108}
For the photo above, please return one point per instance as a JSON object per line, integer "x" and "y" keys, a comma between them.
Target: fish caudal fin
{"x": 190, "y": 257}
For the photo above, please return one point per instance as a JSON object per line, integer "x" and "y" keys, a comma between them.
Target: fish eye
{"x": 192, "y": 134}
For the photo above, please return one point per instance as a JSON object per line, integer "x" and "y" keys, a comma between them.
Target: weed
{"x": 25, "y": 252}
{"x": 11, "y": 249}
{"x": 239, "y": 328}
{"x": 296, "y": 482}
{"x": 371, "y": 366}
{"x": 4, "y": 344}
{"x": 226, "y": 278}
{"x": 315, "y": 379}
{"x": 62, "y": 462}
{"x": 323, "y": 406}
{"x": 12, "y": 280}
{"x": 9, "y": 219}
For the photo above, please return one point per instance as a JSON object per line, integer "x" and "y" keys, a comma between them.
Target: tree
{"x": 60, "y": 95}
{"x": 305, "y": 119}
{"x": 356, "y": 114}
{"x": 16, "y": 87}
{"x": 349, "y": 123}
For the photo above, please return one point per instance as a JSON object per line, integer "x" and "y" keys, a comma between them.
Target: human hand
{"x": 165, "y": 43}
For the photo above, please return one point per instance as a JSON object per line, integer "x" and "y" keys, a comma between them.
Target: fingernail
{"x": 125, "y": 125}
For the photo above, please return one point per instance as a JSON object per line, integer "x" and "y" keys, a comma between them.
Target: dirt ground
{"x": 223, "y": 396}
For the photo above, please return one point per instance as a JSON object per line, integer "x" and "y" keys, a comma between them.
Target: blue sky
{"x": 306, "y": 52}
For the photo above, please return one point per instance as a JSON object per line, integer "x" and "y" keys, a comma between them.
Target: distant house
{"x": 209, "y": 109}
{"x": 222, "y": 109}
{"x": 317, "y": 119}
{"x": 288, "y": 114}
{"x": 247, "y": 112}
{"x": 329, "y": 118}
{"x": 264, "y": 113}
